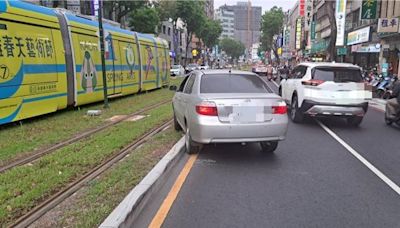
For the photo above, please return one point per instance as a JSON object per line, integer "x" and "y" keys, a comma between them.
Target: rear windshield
{"x": 337, "y": 74}
{"x": 232, "y": 83}
{"x": 175, "y": 67}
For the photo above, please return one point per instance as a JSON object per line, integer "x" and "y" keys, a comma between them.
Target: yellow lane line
{"x": 162, "y": 212}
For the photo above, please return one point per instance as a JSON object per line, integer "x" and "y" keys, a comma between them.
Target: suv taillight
{"x": 313, "y": 82}
{"x": 207, "y": 109}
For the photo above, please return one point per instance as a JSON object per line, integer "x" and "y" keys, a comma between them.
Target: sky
{"x": 265, "y": 4}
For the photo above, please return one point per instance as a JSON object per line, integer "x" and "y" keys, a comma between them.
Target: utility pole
{"x": 103, "y": 60}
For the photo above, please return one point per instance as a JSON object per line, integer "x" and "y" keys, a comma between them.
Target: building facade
{"x": 247, "y": 23}
{"x": 226, "y": 15}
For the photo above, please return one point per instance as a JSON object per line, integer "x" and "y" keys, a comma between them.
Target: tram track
{"x": 57, "y": 198}
{"x": 35, "y": 155}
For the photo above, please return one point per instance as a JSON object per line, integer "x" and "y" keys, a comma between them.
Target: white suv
{"x": 326, "y": 89}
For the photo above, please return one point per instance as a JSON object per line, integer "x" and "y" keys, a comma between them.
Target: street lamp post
{"x": 103, "y": 60}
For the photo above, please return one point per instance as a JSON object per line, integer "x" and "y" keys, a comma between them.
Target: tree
{"x": 232, "y": 47}
{"x": 166, "y": 9}
{"x": 122, "y": 8}
{"x": 144, "y": 20}
{"x": 331, "y": 50}
{"x": 192, "y": 14}
{"x": 211, "y": 30}
{"x": 271, "y": 25}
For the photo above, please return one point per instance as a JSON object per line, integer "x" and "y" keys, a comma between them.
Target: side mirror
{"x": 173, "y": 88}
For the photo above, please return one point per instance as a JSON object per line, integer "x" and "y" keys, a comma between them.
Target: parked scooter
{"x": 389, "y": 88}
{"x": 383, "y": 86}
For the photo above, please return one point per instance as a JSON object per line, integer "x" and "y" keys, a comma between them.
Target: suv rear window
{"x": 337, "y": 74}
{"x": 232, "y": 83}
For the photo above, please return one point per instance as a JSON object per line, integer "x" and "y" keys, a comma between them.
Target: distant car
{"x": 191, "y": 67}
{"x": 326, "y": 89}
{"x": 177, "y": 70}
{"x": 260, "y": 69}
{"x": 228, "y": 66}
{"x": 222, "y": 106}
{"x": 204, "y": 67}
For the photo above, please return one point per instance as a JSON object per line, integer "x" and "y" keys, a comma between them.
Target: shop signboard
{"x": 340, "y": 21}
{"x": 370, "y": 48}
{"x": 313, "y": 24}
{"x": 342, "y": 51}
{"x": 388, "y": 25}
{"x": 320, "y": 46}
{"x": 302, "y": 4}
{"x": 298, "y": 33}
{"x": 358, "y": 36}
{"x": 368, "y": 10}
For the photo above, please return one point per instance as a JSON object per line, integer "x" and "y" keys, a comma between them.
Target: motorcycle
{"x": 387, "y": 94}
{"x": 383, "y": 86}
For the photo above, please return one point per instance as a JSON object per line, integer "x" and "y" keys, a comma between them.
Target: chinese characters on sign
{"x": 298, "y": 33}
{"x": 25, "y": 47}
{"x": 340, "y": 21}
{"x": 368, "y": 10}
{"x": 388, "y": 25}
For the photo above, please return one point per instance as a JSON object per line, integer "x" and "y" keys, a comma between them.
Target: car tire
{"x": 190, "y": 145}
{"x": 177, "y": 127}
{"x": 269, "y": 146}
{"x": 295, "y": 115}
{"x": 354, "y": 121}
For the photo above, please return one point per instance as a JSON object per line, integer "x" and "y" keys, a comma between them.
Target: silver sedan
{"x": 222, "y": 106}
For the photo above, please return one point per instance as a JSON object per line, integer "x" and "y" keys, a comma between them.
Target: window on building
{"x": 163, "y": 29}
{"x": 169, "y": 31}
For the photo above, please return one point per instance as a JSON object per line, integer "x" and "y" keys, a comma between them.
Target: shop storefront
{"x": 366, "y": 55}
{"x": 389, "y": 32}
{"x": 364, "y": 50}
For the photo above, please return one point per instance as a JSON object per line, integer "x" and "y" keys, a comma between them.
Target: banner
{"x": 340, "y": 21}
{"x": 298, "y": 33}
{"x": 368, "y": 10}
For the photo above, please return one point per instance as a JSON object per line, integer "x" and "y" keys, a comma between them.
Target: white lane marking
{"x": 275, "y": 83}
{"x": 376, "y": 171}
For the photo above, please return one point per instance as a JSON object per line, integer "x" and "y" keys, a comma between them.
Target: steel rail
{"x": 54, "y": 200}
{"x": 38, "y": 154}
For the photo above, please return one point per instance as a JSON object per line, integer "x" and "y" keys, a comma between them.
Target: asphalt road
{"x": 312, "y": 180}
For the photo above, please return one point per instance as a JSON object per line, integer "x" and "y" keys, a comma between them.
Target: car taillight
{"x": 207, "y": 109}
{"x": 313, "y": 82}
{"x": 281, "y": 109}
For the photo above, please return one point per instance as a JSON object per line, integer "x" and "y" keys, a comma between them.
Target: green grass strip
{"x": 94, "y": 204}
{"x": 36, "y": 133}
{"x": 23, "y": 187}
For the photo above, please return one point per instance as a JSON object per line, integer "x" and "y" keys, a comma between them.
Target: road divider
{"x": 130, "y": 208}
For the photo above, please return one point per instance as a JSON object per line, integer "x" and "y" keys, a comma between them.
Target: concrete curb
{"x": 129, "y": 209}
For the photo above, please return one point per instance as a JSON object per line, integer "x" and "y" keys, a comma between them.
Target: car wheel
{"x": 295, "y": 115}
{"x": 354, "y": 121}
{"x": 177, "y": 127}
{"x": 191, "y": 147}
{"x": 269, "y": 146}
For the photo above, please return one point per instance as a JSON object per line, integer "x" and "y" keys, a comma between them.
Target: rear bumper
{"x": 317, "y": 108}
{"x": 211, "y": 130}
